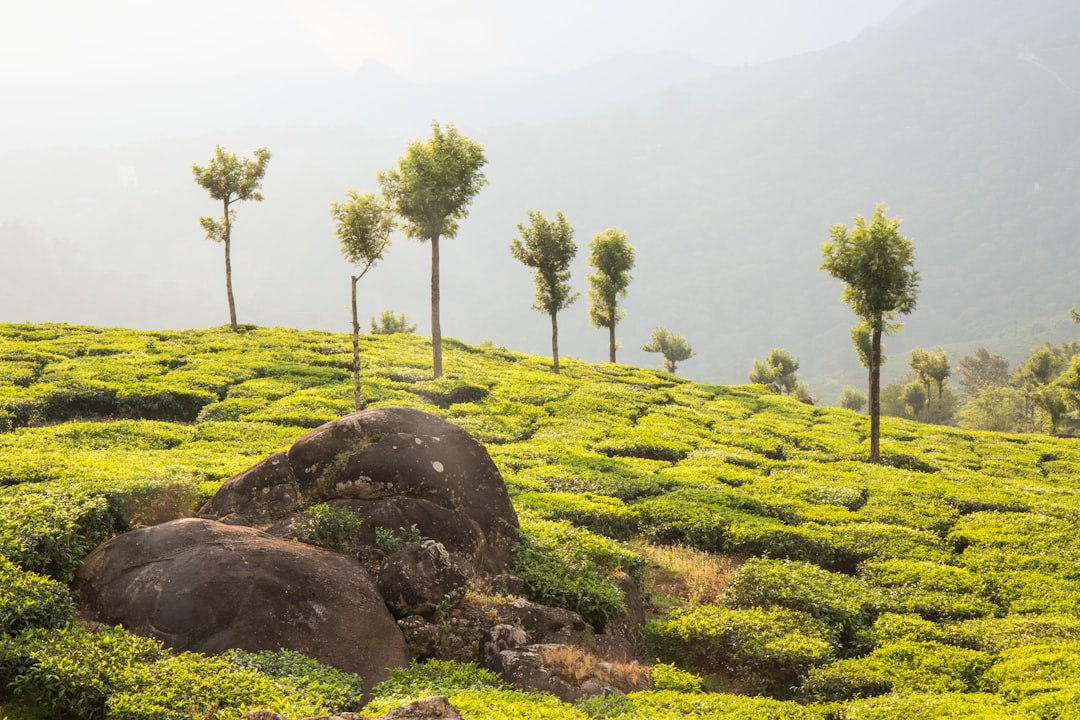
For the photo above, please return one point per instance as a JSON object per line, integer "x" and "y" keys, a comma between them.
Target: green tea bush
{"x": 160, "y": 402}
{"x": 233, "y": 408}
{"x": 602, "y": 514}
{"x": 935, "y": 706}
{"x": 50, "y": 531}
{"x": 570, "y": 568}
{"x": 666, "y": 676}
{"x": 30, "y": 600}
{"x": 1035, "y": 669}
{"x": 445, "y": 392}
{"x": 73, "y": 399}
{"x": 436, "y": 677}
{"x": 934, "y": 591}
{"x": 495, "y": 705}
{"x": 894, "y": 627}
{"x": 995, "y": 634}
{"x": 673, "y": 705}
{"x": 844, "y": 603}
{"x": 905, "y": 666}
{"x": 767, "y": 651}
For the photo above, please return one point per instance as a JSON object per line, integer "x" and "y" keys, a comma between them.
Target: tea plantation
{"x": 944, "y": 583}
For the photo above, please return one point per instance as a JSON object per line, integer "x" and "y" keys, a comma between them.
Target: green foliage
{"x": 547, "y": 247}
{"x": 778, "y": 370}
{"x": 436, "y": 677}
{"x": 852, "y": 399}
{"x": 611, "y": 257}
{"x": 767, "y": 651}
{"x": 363, "y": 226}
{"x": 673, "y": 347}
{"x": 329, "y": 526}
{"x": 965, "y": 541}
{"x": 112, "y": 673}
{"x": 390, "y": 323}
{"x": 29, "y": 600}
{"x": 666, "y": 676}
{"x": 845, "y": 604}
{"x": 571, "y": 568}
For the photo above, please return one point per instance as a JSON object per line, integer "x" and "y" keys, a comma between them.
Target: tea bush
{"x": 30, "y": 600}
{"x": 767, "y": 651}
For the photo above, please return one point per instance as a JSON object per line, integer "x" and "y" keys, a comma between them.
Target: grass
{"x": 944, "y": 583}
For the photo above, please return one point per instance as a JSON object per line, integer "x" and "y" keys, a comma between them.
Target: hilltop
{"x": 940, "y": 584}
{"x": 959, "y": 115}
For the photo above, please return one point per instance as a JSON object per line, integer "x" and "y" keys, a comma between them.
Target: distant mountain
{"x": 960, "y": 115}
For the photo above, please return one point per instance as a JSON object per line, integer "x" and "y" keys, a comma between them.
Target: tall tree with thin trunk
{"x": 230, "y": 179}
{"x": 431, "y": 189}
{"x": 548, "y": 247}
{"x": 363, "y": 225}
{"x": 877, "y": 265}
{"x": 612, "y": 258}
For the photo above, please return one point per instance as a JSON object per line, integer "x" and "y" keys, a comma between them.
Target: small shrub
{"x": 436, "y": 677}
{"x": 330, "y": 526}
{"x": 666, "y": 676}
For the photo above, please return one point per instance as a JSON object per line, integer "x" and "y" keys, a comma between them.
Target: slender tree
{"x": 876, "y": 263}
{"x": 612, "y": 258}
{"x": 431, "y": 189}
{"x": 363, "y": 225}
{"x": 548, "y": 248}
{"x": 230, "y": 179}
{"x": 673, "y": 347}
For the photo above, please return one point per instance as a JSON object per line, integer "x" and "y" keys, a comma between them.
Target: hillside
{"x": 959, "y": 115}
{"x": 941, "y": 584}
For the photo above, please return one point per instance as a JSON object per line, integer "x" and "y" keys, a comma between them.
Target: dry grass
{"x": 690, "y": 576}
{"x": 575, "y": 666}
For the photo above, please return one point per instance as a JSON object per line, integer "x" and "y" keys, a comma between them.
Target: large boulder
{"x": 396, "y": 468}
{"x": 205, "y": 586}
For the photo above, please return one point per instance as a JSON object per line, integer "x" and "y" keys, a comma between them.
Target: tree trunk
{"x": 554, "y": 343}
{"x": 611, "y": 338}
{"x": 436, "y": 330}
{"x": 357, "y": 400}
{"x": 875, "y": 397}
{"x": 228, "y": 268}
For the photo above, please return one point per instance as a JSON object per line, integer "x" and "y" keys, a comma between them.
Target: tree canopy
{"x": 673, "y": 347}
{"x": 431, "y": 189}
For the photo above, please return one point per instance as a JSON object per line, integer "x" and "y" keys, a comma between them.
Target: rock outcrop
{"x": 395, "y": 468}
{"x": 205, "y": 586}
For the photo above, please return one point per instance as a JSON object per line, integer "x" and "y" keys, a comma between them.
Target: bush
{"x": 666, "y": 676}
{"x": 436, "y": 677}
{"x": 30, "y": 600}
{"x": 599, "y": 513}
{"x": 329, "y": 526}
{"x": 555, "y": 575}
{"x": 160, "y": 402}
{"x": 845, "y": 604}
{"x": 905, "y": 666}
{"x": 767, "y": 651}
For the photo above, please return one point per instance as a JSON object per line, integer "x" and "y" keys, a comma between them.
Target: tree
{"x": 673, "y": 347}
{"x": 431, "y": 189}
{"x": 852, "y": 399}
{"x": 876, "y": 263}
{"x": 612, "y": 258}
{"x": 931, "y": 368}
{"x": 230, "y": 179}
{"x": 982, "y": 370}
{"x": 391, "y": 323}
{"x": 363, "y": 225}
{"x": 548, "y": 248}
{"x": 777, "y": 370}
{"x": 994, "y": 408}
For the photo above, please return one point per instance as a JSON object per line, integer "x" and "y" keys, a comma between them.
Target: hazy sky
{"x": 90, "y": 41}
